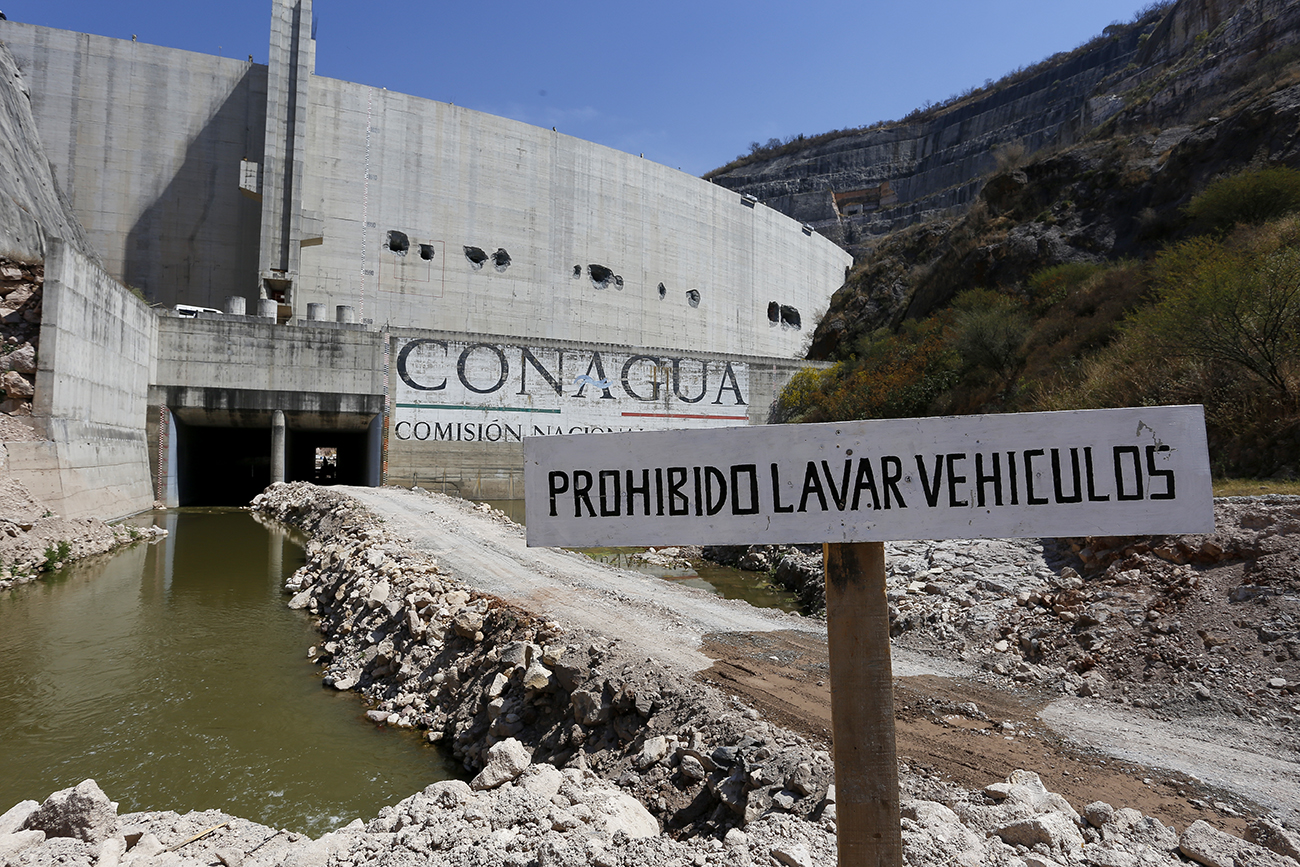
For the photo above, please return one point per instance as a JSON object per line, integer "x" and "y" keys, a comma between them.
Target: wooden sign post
{"x": 854, "y": 485}
{"x": 862, "y": 705}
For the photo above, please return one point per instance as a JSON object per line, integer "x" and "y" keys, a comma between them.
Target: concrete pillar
{"x": 236, "y": 305}
{"x": 277, "y": 447}
{"x": 316, "y": 312}
{"x": 268, "y": 308}
{"x": 345, "y": 313}
{"x": 290, "y": 63}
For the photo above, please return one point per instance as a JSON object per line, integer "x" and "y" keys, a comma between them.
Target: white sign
{"x": 1089, "y": 472}
{"x": 449, "y": 391}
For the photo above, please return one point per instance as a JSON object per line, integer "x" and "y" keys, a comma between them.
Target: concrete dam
{"x": 281, "y": 275}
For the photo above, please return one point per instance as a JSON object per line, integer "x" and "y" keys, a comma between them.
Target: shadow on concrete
{"x": 197, "y": 243}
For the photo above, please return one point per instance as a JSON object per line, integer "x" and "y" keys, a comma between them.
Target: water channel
{"x": 174, "y": 675}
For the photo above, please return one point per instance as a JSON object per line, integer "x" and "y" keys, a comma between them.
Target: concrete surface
{"x": 92, "y": 379}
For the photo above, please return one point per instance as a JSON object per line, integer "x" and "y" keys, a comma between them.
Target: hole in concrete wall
{"x": 398, "y": 242}
{"x": 426, "y": 252}
{"x": 693, "y": 297}
{"x": 577, "y": 271}
{"x": 790, "y": 317}
{"x": 476, "y": 257}
{"x": 773, "y": 312}
{"x": 601, "y": 277}
{"x": 663, "y": 291}
{"x": 501, "y": 259}
{"x": 618, "y": 282}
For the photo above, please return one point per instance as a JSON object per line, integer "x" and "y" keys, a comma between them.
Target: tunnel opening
{"x": 228, "y": 466}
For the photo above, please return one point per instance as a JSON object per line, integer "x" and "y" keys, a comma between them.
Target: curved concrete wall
{"x": 149, "y": 144}
{"x": 450, "y": 178}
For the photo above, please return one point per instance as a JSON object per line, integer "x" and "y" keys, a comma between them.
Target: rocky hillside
{"x": 1174, "y": 65}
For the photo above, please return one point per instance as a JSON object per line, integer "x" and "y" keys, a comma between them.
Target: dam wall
{"x": 486, "y": 225}
{"x": 491, "y": 280}
{"x": 146, "y": 143}
{"x": 92, "y": 378}
{"x": 414, "y": 212}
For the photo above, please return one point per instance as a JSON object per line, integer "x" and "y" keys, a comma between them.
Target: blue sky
{"x": 687, "y": 84}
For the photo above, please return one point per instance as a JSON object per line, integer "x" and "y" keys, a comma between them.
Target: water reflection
{"x": 174, "y": 675}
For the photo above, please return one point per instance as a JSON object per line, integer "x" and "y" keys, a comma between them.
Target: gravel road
{"x": 665, "y": 620}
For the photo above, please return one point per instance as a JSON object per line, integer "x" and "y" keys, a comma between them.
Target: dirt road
{"x": 1176, "y": 771}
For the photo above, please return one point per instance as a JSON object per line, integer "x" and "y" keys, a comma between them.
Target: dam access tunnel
{"x": 227, "y": 458}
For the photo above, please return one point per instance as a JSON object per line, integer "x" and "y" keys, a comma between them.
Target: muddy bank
{"x": 577, "y": 753}
{"x": 34, "y": 540}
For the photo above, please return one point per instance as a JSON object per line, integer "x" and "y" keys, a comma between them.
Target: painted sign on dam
{"x": 460, "y": 391}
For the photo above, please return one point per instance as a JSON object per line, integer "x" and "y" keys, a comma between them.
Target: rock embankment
{"x": 580, "y": 755}
{"x": 34, "y": 540}
{"x": 21, "y": 286}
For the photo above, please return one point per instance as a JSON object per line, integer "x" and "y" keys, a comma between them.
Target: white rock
{"x": 793, "y": 855}
{"x": 1213, "y": 848}
{"x": 13, "y": 818}
{"x": 537, "y": 676}
{"x": 12, "y": 844}
{"x": 506, "y": 760}
{"x": 83, "y": 812}
{"x": 542, "y": 780}
{"x": 1054, "y": 829}
{"x": 652, "y": 752}
{"x": 622, "y": 812}
{"x": 497, "y": 686}
{"x": 110, "y": 852}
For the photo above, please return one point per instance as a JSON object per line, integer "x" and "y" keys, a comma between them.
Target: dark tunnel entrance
{"x": 228, "y": 466}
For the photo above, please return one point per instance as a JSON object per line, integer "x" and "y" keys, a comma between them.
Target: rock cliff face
{"x": 31, "y": 206}
{"x": 1168, "y": 67}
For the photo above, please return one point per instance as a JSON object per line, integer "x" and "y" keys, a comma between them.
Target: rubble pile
{"x": 434, "y": 654}
{"x": 21, "y": 285}
{"x": 34, "y": 540}
{"x": 1183, "y": 625}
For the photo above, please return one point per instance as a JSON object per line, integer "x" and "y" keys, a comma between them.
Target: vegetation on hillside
{"x": 1210, "y": 316}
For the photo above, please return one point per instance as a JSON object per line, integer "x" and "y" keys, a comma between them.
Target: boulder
{"x": 1057, "y": 831}
{"x": 12, "y": 820}
{"x": 652, "y": 752}
{"x": 622, "y": 812}
{"x": 13, "y": 844}
{"x": 82, "y": 812}
{"x": 22, "y": 359}
{"x": 1207, "y": 845}
{"x": 506, "y": 760}
{"x": 17, "y": 386}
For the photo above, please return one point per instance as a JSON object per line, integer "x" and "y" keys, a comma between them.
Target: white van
{"x": 189, "y": 311}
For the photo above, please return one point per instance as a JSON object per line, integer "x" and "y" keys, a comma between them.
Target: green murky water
{"x": 174, "y": 675}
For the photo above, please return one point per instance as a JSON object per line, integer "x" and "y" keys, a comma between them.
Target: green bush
{"x": 1252, "y": 197}
{"x": 1224, "y": 305}
{"x": 990, "y": 331}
